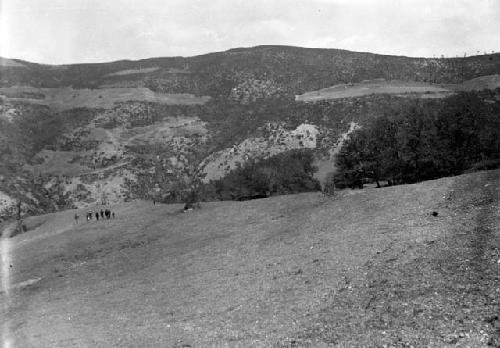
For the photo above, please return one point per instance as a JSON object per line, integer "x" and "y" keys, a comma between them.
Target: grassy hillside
{"x": 368, "y": 267}
{"x": 379, "y": 86}
{"x": 101, "y": 98}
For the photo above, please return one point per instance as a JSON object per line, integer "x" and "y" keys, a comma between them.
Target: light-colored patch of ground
{"x": 8, "y": 111}
{"x": 378, "y": 86}
{"x": 326, "y": 165}
{"x": 68, "y": 98}
{"x": 284, "y": 271}
{"x": 133, "y": 71}
{"x": 125, "y": 84}
{"x": 480, "y": 83}
{"x": 164, "y": 131}
{"x": 110, "y": 190}
{"x": 11, "y": 63}
{"x": 280, "y": 140}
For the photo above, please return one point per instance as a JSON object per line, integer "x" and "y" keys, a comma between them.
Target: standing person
{"x": 18, "y": 215}
{"x": 97, "y": 216}
{"x": 113, "y": 215}
{"x": 76, "y": 218}
{"x": 102, "y": 214}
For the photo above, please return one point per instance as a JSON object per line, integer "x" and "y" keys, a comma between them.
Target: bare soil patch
{"x": 378, "y": 86}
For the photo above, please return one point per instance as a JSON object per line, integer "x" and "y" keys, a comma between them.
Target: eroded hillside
{"x": 78, "y": 135}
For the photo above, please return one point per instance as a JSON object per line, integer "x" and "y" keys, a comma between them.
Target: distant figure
{"x": 76, "y": 218}
{"x": 18, "y": 215}
{"x": 89, "y": 215}
{"x": 107, "y": 214}
{"x": 113, "y": 215}
{"x": 102, "y": 214}
{"x": 188, "y": 207}
{"x": 154, "y": 202}
{"x": 97, "y": 216}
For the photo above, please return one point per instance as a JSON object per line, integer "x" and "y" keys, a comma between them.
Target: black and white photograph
{"x": 249, "y": 173}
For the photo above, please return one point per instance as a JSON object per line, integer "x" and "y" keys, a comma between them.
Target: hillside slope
{"x": 287, "y": 70}
{"x": 366, "y": 267}
{"x": 75, "y": 135}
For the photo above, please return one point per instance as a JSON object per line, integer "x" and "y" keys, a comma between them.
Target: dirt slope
{"x": 364, "y": 268}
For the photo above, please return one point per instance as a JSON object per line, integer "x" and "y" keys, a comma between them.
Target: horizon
{"x": 248, "y": 48}
{"x": 61, "y": 32}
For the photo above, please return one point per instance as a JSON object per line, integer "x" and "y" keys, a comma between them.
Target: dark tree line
{"x": 289, "y": 172}
{"x": 423, "y": 141}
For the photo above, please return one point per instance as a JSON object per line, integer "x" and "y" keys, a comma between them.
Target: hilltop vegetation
{"x": 294, "y": 70}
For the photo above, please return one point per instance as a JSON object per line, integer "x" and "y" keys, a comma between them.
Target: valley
{"x": 76, "y": 135}
{"x": 243, "y": 187}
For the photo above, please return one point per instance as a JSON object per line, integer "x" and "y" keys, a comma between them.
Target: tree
{"x": 424, "y": 141}
{"x": 289, "y": 172}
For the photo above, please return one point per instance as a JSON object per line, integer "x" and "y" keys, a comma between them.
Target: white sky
{"x": 71, "y": 31}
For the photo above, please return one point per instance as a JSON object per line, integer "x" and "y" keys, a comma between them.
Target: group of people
{"x": 103, "y": 214}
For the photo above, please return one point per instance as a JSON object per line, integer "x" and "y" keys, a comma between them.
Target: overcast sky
{"x": 70, "y": 31}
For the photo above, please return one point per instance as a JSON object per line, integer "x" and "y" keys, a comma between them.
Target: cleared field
{"x": 163, "y": 131}
{"x": 480, "y": 83}
{"x": 365, "y": 268}
{"x": 378, "y": 86}
{"x": 133, "y": 71}
{"x": 105, "y": 98}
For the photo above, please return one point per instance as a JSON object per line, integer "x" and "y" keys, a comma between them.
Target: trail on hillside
{"x": 443, "y": 291}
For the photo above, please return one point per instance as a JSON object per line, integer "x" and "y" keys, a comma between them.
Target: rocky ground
{"x": 443, "y": 291}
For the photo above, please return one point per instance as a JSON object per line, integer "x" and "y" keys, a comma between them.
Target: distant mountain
{"x": 80, "y": 134}
{"x": 295, "y": 69}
